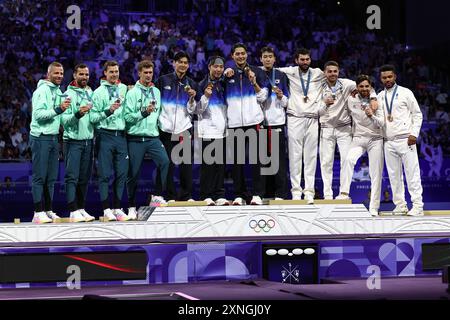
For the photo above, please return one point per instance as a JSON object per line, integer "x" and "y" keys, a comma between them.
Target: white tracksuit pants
{"x": 397, "y": 152}
{"x": 374, "y": 148}
{"x": 303, "y": 136}
{"x": 328, "y": 139}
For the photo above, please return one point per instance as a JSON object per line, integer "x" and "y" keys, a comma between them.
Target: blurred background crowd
{"x": 33, "y": 34}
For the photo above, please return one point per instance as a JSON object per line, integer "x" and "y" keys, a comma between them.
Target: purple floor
{"x": 423, "y": 288}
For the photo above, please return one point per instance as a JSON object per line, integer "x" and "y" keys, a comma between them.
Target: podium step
{"x": 303, "y": 202}
{"x": 187, "y": 204}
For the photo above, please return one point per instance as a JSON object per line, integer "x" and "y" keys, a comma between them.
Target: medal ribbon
{"x": 143, "y": 91}
{"x": 336, "y": 87}
{"x": 113, "y": 92}
{"x": 305, "y": 89}
{"x": 389, "y": 106}
{"x": 272, "y": 79}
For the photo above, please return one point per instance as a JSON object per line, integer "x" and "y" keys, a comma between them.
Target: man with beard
{"x": 142, "y": 109}
{"x": 403, "y": 120}
{"x": 177, "y": 106}
{"x": 48, "y": 103}
{"x": 111, "y": 142}
{"x": 302, "y": 122}
{"x": 367, "y": 134}
{"x": 78, "y": 144}
{"x": 335, "y": 125}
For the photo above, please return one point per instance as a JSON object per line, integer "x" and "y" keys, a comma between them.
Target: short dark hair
{"x": 238, "y": 45}
{"x": 79, "y": 66}
{"x": 267, "y": 49}
{"x": 387, "y": 67}
{"x": 145, "y": 64}
{"x": 331, "y": 63}
{"x": 363, "y": 77}
{"x": 302, "y": 51}
{"x": 110, "y": 63}
{"x": 180, "y": 55}
{"x": 212, "y": 60}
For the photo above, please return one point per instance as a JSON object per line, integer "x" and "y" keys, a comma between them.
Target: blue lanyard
{"x": 389, "y": 106}
{"x": 272, "y": 79}
{"x": 88, "y": 97}
{"x": 113, "y": 92}
{"x": 335, "y": 88}
{"x": 364, "y": 102}
{"x": 58, "y": 95}
{"x": 216, "y": 83}
{"x": 85, "y": 96}
{"x": 146, "y": 95}
{"x": 305, "y": 89}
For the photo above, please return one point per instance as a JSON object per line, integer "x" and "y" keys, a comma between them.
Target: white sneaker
{"x": 278, "y": 199}
{"x": 120, "y": 215}
{"x": 400, "y": 210}
{"x": 309, "y": 198}
{"x": 87, "y": 217}
{"x": 328, "y": 198}
{"x": 256, "y": 200}
{"x": 222, "y": 202}
{"x": 373, "y": 212}
{"x": 158, "y": 201}
{"x": 297, "y": 196}
{"x": 191, "y": 200}
{"x": 76, "y": 216}
{"x": 52, "y": 215}
{"x": 343, "y": 196}
{"x": 41, "y": 217}
{"x": 238, "y": 202}
{"x": 210, "y": 202}
{"x": 171, "y": 201}
{"x": 109, "y": 215}
{"x": 132, "y": 213}
{"x": 415, "y": 212}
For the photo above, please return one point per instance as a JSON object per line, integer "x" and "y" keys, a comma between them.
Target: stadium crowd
{"x": 33, "y": 34}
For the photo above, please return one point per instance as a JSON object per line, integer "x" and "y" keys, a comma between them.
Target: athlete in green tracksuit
{"x": 48, "y": 103}
{"x": 78, "y": 144}
{"x": 142, "y": 109}
{"x": 108, "y": 114}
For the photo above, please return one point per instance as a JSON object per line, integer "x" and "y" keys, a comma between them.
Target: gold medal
{"x": 187, "y": 88}
{"x": 390, "y": 118}
{"x": 274, "y": 87}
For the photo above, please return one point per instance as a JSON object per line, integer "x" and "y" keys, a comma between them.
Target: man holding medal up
{"x": 246, "y": 89}
{"x": 274, "y": 109}
{"x": 111, "y": 141}
{"x": 212, "y": 129}
{"x": 303, "y": 124}
{"x": 402, "y": 127}
{"x": 48, "y": 104}
{"x": 335, "y": 125}
{"x": 367, "y": 134}
{"x": 175, "y": 122}
{"x": 78, "y": 144}
{"x": 142, "y": 109}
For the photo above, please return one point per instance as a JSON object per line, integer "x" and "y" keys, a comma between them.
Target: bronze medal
{"x": 305, "y": 99}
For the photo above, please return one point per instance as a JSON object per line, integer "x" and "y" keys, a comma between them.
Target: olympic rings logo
{"x": 261, "y": 224}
